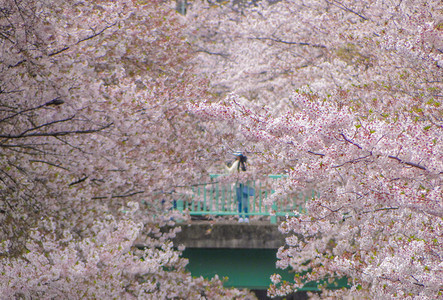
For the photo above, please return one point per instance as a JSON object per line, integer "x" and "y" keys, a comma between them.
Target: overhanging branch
{"x": 407, "y": 162}
{"x": 82, "y": 40}
{"x": 55, "y": 134}
{"x": 341, "y": 6}
{"x": 287, "y": 42}
{"x": 46, "y": 124}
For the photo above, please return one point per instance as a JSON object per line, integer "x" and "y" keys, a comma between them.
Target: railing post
{"x": 274, "y": 213}
{"x": 180, "y": 205}
{"x": 204, "y": 199}
{"x": 260, "y": 204}
{"x": 217, "y": 197}
{"x": 193, "y": 199}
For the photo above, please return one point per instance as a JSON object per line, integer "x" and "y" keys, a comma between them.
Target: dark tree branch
{"x": 119, "y": 196}
{"x": 127, "y": 195}
{"x": 319, "y": 154}
{"x": 58, "y": 51}
{"x": 56, "y": 101}
{"x": 379, "y": 209}
{"x": 6, "y": 37}
{"x": 418, "y": 282}
{"x": 23, "y": 111}
{"x": 55, "y": 134}
{"x": 28, "y": 150}
{"x": 351, "y": 142}
{"x": 352, "y": 161}
{"x": 341, "y": 6}
{"x": 78, "y": 181}
{"x": 48, "y": 163}
{"x": 17, "y": 64}
{"x": 287, "y": 42}
{"x": 72, "y": 146}
{"x": 331, "y": 210}
{"x": 96, "y": 34}
{"x": 9, "y": 176}
{"x": 46, "y": 124}
{"x": 407, "y": 163}
{"x": 224, "y": 55}
{"x": 25, "y": 146}
{"x": 82, "y": 40}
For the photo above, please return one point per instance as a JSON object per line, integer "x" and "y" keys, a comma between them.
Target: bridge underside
{"x": 243, "y": 253}
{"x": 243, "y": 268}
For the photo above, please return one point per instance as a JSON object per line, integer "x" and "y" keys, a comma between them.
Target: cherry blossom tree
{"x": 94, "y": 133}
{"x": 364, "y": 130}
{"x": 56, "y": 265}
{"x": 264, "y": 51}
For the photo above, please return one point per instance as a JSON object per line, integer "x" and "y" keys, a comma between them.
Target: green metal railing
{"x": 217, "y": 198}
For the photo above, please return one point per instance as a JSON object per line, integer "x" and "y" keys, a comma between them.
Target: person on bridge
{"x": 242, "y": 191}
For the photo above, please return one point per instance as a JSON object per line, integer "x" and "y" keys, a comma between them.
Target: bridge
{"x": 244, "y": 253}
